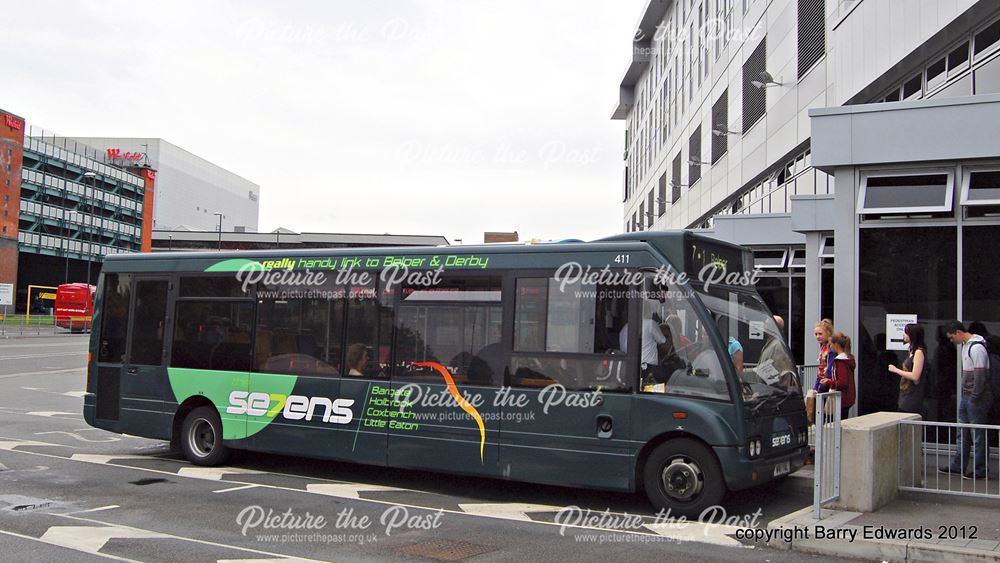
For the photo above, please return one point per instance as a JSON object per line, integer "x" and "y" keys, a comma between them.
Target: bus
{"x": 640, "y": 362}
{"x": 74, "y": 306}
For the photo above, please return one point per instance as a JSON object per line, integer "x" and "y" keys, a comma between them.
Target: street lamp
{"x": 90, "y": 227}
{"x": 220, "y": 228}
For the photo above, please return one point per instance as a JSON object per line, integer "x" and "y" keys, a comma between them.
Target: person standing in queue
{"x": 911, "y": 381}
{"x": 841, "y": 377}
{"x": 974, "y": 408}
{"x": 823, "y": 331}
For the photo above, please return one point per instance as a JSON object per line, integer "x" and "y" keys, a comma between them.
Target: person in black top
{"x": 911, "y": 381}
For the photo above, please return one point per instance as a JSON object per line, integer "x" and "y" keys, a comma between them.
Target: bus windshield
{"x": 754, "y": 342}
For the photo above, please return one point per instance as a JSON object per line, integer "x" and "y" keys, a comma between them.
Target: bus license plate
{"x": 782, "y": 468}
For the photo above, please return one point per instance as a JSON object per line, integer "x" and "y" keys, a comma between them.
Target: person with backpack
{"x": 912, "y": 384}
{"x": 977, "y": 398}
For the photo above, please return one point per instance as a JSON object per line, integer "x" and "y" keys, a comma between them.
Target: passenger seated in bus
{"x": 486, "y": 365}
{"x": 357, "y": 359}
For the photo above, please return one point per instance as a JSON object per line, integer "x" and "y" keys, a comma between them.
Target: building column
{"x": 814, "y": 300}
{"x": 845, "y": 274}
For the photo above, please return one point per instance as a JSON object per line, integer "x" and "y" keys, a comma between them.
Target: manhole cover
{"x": 446, "y": 550}
{"x": 21, "y": 504}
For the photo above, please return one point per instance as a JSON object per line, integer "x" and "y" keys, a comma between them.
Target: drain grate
{"x": 446, "y": 550}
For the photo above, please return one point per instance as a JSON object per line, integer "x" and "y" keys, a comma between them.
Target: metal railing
{"x": 926, "y": 448}
{"x": 807, "y": 375}
{"x": 826, "y": 473}
{"x": 21, "y": 325}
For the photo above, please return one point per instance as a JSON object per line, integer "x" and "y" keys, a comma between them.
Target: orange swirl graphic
{"x": 466, "y": 406}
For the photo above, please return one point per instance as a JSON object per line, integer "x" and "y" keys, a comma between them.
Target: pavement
{"x": 916, "y": 526}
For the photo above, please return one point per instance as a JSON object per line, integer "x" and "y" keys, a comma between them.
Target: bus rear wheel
{"x": 201, "y": 437}
{"x": 683, "y": 476}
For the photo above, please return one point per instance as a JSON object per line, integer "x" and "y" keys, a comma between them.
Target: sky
{"x": 434, "y": 117}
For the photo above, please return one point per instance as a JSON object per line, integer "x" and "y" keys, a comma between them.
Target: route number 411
{"x": 622, "y": 258}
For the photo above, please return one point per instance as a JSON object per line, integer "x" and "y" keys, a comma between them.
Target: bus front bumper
{"x": 742, "y": 472}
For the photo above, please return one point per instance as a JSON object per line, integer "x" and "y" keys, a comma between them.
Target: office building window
{"x": 981, "y": 187}
{"x": 913, "y": 88}
{"x": 987, "y": 40}
{"x": 906, "y": 193}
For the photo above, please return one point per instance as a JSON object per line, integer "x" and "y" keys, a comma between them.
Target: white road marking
{"x": 74, "y": 394}
{"x": 79, "y": 370}
{"x": 346, "y": 490}
{"x": 507, "y": 510}
{"x": 715, "y": 534}
{"x": 50, "y": 355}
{"x": 258, "y": 560}
{"x": 98, "y": 509}
{"x": 90, "y": 539}
{"x": 10, "y": 444}
{"x": 214, "y": 473}
{"x": 103, "y": 459}
{"x": 272, "y": 556}
{"x": 231, "y": 489}
{"x": 22, "y": 536}
{"x": 82, "y": 343}
{"x": 79, "y": 437}
{"x": 53, "y": 414}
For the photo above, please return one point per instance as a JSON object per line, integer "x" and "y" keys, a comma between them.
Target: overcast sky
{"x": 447, "y": 117}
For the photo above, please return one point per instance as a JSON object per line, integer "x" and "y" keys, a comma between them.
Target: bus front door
{"x": 144, "y": 372}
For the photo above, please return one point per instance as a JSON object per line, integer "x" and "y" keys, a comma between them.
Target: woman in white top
{"x": 357, "y": 359}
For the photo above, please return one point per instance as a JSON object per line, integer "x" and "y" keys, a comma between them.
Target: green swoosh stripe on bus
{"x": 237, "y": 264}
{"x": 217, "y": 386}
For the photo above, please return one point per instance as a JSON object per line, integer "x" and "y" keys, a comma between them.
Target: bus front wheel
{"x": 683, "y": 476}
{"x": 201, "y": 437}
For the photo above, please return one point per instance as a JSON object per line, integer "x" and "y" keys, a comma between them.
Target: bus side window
{"x": 114, "y": 318}
{"x": 569, "y": 334}
{"x": 369, "y": 331}
{"x": 299, "y": 336}
{"x": 456, "y": 323}
{"x": 212, "y": 335}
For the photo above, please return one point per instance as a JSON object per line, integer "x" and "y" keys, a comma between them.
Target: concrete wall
{"x": 871, "y": 455}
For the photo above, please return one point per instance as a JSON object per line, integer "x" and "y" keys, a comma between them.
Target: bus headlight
{"x": 754, "y": 447}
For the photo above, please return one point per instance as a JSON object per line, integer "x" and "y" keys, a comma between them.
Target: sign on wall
{"x": 6, "y": 294}
{"x": 894, "y": 325}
